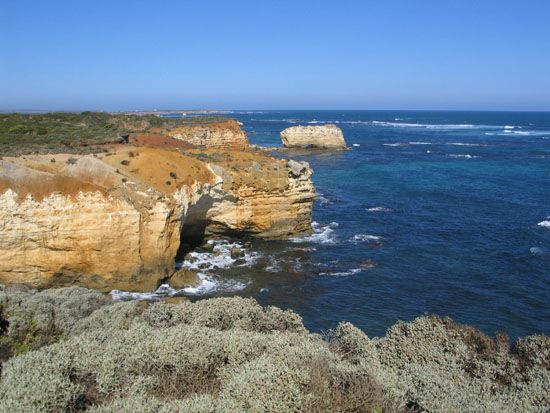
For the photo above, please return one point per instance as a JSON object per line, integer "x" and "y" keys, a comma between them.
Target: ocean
{"x": 427, "y": 212}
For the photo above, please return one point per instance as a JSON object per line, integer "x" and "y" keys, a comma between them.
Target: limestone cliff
{"x": 117, "y": 220}
{"x": 261, "y": 196}
{"x": 322, "y": 137}
{"x": 221, "y": 135}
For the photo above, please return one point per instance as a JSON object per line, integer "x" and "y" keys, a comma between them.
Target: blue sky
{"x": 415, "y": 54}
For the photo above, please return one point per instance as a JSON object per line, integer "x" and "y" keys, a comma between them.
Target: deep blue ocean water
{"x": 427, "y": 212}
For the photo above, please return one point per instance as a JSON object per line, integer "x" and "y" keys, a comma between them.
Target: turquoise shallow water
{"x": 427, "y": 212}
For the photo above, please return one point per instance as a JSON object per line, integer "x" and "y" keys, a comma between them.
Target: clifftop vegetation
{"x": 73, "y": 349}
{"x": 83, "y": 132}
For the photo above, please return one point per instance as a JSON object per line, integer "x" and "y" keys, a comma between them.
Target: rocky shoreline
{"x": 117, "y": 216}
{"x": 119, "y": 219}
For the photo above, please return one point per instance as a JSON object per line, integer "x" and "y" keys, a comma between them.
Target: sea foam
{"x": 365, "y": 238}
{"x": 466, "y": 156}
{"x": 206, "y": 264}
{"x": 321, "y": 234}
{"x": 379, "y": 209}
{"x": 342, "y": 273}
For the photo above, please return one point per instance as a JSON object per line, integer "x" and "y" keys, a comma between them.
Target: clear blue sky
{"x": 409, "y": 54}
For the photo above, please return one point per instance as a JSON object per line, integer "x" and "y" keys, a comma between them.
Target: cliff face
{"x": 261, "y": 196}
{"x": 322, "y": 137}
{"x": 222, "y": 135}
{"x": 94, "y": 224}
{"x": 116, "y": 221}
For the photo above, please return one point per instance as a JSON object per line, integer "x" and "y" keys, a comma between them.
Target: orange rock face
{"x": 220, "y": 135}
{"x": 115, "y": 221}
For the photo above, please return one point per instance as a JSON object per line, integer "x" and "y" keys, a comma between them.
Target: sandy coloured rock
{"x": 222, "y": 135}
{"x": 320, "y": 137}
{"x": 98, "y": 223}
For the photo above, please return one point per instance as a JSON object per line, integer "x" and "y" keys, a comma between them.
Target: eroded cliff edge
{"x": 117, "y": 219}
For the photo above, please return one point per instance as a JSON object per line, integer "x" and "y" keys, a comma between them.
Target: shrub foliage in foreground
{"x": 87, "y": 353}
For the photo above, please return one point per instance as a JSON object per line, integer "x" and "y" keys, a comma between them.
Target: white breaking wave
{"x": 429, "y": 125}
{"x": 545, "y": 223}
{"x": 206, "y": 263}
{"x": 323, "y": 200}
{"x": 365, "y": 237}
{"x": 342, "y": 273}
{"x": 467, "y": 156}
{"x": 321, "y": 234}
{"x": 433, "y": 143}
{"x": 314, "y": 122}
{"x": 463, "y": 144}
{"x": 356, "y": 144}
{"x": 275, "y": 120}
{"x": 219, "y": 258}
{"x": 512, "y": 132}
{"x": 379, "y": 209}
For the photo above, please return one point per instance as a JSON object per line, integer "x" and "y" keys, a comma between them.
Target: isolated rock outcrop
{"x": 221, "y": 135}
{"x": 322, "y": 137}
{"x": 116, "y": 220}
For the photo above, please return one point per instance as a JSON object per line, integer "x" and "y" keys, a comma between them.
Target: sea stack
{"x": 320, "y": 137}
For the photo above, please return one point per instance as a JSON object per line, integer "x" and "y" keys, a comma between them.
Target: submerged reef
{"x": 74, "y": 349}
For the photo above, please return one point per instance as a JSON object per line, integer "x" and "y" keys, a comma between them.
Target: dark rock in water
{"x": 236, "y": 252}
{"x": 184, "y": 278}
{"x": 240, "y": 261}
{"x": 206, "y": 247}
{"x": 190, "y": 258}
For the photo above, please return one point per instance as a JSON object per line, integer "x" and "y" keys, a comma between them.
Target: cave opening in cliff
{"x": 193, "y": 227}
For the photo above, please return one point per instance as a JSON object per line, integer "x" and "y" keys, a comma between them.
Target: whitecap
{"x": 466, "y": 156}
{"x": 535, "y": 250}
{"x": 365, "y": 238}
{"x": 379, "y": 209}
{"x": 321, "y": 234}
{"x": 429, "y": 125}
{"x": 395, "y": 144}
{"x": 545, "y": 223}
{"x": 463, "y": 144}
{"x": 322, "y": 199}
{"x": 356, "y": 144}
{"x": 420, "y": 143}
{"x": 342, "y": 273}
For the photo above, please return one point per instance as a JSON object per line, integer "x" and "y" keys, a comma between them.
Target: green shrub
{"x": 20, "y": 129}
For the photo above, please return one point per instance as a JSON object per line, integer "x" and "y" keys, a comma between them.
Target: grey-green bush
{"x": 230, "y": 354}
